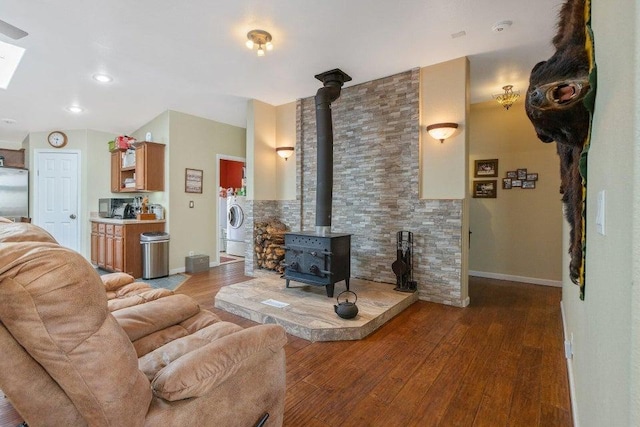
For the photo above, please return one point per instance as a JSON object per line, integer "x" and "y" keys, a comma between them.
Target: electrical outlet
{"x": 191, "y": 204}
{"x": 568, "y": 349}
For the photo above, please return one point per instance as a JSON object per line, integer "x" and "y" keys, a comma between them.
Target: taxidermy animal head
{"x": 558, "y": 86}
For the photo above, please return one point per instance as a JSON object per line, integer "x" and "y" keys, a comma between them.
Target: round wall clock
{"x": 57, "y": 139}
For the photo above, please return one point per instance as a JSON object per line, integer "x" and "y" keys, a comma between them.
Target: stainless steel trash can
{"x": 155, "y": 254}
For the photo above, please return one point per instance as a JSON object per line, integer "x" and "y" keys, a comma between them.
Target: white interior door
{"x": 56, "y": 198}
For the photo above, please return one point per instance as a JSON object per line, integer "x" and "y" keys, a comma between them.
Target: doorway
{"x": 231, "y": 182}
{"x": 56, "y": 198}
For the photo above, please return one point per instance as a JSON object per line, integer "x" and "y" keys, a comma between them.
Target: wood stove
{"x": 321, "y": 258}
{"x": 318, "y": 260}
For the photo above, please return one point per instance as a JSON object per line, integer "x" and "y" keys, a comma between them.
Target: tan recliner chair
{"x": 67, "y": 359}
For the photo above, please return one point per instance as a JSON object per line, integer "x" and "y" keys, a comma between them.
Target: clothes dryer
{"x": 236, "y": 227}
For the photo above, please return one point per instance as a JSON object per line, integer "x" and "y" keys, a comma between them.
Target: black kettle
{"x": 346, "y": 309}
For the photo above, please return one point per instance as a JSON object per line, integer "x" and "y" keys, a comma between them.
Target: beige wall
{"x": 286, "y": 137}
{"x": 443, "y": 98}
{"x": 517, "y": 235}
{"x": 195, "y": 144}
{"x": 605, "y": 324}
{"x": 261, "y": 151}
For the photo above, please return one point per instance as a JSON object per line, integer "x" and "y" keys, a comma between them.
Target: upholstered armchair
{"x": 71, "y": 358}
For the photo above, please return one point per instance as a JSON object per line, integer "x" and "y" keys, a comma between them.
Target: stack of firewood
{"x": 269, "y": 244}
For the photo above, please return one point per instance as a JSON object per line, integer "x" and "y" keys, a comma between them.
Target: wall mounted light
{"x": 261, "y": 39}
{"x": 442, "y": 131}
{"x": 285, "y": 152}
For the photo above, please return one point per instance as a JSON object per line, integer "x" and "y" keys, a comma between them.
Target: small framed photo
{"x": 485, "y": 189}
{"x": 532, "y": 177}
{"x": 522, "y": 174}
{"x": 512, "y": 174}
{"x": 506, "y": 183}
{"x": 516, "y": 183}
{"x": 486, "y": 168}
{"x": 193, "y": 181}
{"x": 528, "y": 184}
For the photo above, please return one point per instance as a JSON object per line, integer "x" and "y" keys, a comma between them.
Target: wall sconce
{"x": 442, "y": 131}
{"x": 285, "y": 152}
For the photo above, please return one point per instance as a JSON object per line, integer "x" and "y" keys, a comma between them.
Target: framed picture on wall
{"x": 486, "y": 168}
{"x": 506, "y": 183}
{"x": 532, "y": 176}
{"x": 522, "y": 174}
{"x": 485, "y": 189}
{"x": 512, "y": 174}
{"x": 193, "y": 181}
{"x": 529, "y": 184}
{"x": 516, "y": 183}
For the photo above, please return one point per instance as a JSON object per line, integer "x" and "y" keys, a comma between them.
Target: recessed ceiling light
{"x": 102, "y": 78}
{"x": 74, "y": 109}
{"x": 501, "y": 26}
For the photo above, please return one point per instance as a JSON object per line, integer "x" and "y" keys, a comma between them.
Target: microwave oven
{"x": 108, "y": 207}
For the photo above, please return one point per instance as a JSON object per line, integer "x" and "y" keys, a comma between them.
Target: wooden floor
{"x": 498, "y": 362}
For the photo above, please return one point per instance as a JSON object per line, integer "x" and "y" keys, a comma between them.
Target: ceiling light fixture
{"x": 74, "y": 109}
{"x": 102, "y": 78}
{"x": 507, "y": 98}
{"x": 442, "y": 131}
{"x": 261, "y": 39}
{"x": 285, "y": 152}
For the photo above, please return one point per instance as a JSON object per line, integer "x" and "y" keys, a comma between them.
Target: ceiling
{"x": 190, "y": 56}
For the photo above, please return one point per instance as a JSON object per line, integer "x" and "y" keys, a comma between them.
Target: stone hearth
{"x": 310, "y": 313}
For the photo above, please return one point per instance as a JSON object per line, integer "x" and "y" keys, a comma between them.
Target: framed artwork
{"x": 193, "y": 181}
{"x": 516, "y": 183}
{"x": 485, "y": 189}
{"x": 532, "y": 177}
{"x": 528, "y": 184}
{"x": 522, "y": 174}
{"x": 512, "y": 174}
{"x": 506, "y": 183}
{"x": 486, "y": 168}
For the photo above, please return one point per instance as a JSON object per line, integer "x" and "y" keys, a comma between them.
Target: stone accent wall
{"x": 375, "y": 190}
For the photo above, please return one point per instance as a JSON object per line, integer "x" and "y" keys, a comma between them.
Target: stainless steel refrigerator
{"x": 14, "y": 193}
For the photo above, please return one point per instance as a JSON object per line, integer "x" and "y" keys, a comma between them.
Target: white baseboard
{"x": 532, "y": 280}
{"x": 572, "y": 384}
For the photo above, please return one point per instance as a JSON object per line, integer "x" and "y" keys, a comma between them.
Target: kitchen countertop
{"x": 126, "y": 221}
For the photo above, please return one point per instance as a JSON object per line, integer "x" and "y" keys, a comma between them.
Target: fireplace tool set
{"x": 402, "y": 266}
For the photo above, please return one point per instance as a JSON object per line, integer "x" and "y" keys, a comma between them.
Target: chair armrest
{"x": 202, "y": 370}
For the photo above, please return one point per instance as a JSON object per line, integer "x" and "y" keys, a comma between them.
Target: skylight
{"x": 10, "y": 57}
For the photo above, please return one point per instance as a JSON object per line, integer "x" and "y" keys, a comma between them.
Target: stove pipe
{"x": 333, "y": 81}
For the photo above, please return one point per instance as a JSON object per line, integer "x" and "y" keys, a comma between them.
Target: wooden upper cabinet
{"x": 115, "y": 172}
{"x": 148, "y": 172}
{"x": 13, "y": 158}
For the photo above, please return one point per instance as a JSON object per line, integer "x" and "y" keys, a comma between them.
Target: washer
{"x": 236, "y": 228}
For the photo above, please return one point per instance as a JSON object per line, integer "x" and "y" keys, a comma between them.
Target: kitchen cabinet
{"x": 13, "y": 158}
{"x": 146, "y": 175}
{"x": 117, "y": 244}
{"x": 94, "y": 243}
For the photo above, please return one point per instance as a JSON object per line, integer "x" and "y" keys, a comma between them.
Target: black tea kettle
{"x": 346, "y": 309}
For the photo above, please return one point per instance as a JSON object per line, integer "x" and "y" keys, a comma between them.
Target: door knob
{"x": 72, "y": 216}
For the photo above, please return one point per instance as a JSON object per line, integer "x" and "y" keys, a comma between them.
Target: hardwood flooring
{"x": 498, "y": 362}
